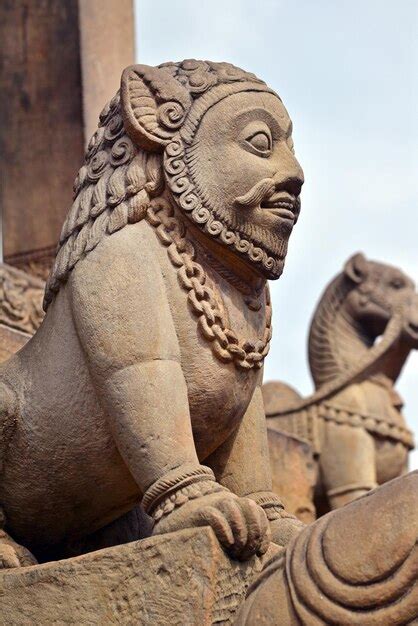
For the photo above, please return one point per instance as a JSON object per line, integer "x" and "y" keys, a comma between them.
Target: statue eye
{"x": 397, "y": 283}
{"x": 261, "y": 141}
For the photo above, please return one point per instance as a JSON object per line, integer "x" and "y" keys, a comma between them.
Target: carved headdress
{"x": 145, "y": 139}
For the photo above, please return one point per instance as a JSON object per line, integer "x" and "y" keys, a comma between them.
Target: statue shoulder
{"x": 125, "y": 262}
{"x": 119, "y": 301}
{"x": 122, "y": 278}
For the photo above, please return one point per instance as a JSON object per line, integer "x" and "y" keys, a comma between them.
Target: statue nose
{"x": 289, "y": 176}
{"x": 292, "y": 185}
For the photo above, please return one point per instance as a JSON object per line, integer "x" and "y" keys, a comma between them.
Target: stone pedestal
{"x": 182, "y": 579}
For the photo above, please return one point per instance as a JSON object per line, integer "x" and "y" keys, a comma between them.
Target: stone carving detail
{"x": 180, "y": 180}
{"x": 355, "y": 407}
{"x": 179, "y": 578}
{"x": 120, "y": 374}
{"x": 20, "y": 299}
{"x": 114, "y": 186}
{"x": 36, "y": 263}
{"x": 225, "y": 343}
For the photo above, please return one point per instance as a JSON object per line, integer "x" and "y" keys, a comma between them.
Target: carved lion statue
{"x": 143, "y": 382}
{"x": 362, "y": 331}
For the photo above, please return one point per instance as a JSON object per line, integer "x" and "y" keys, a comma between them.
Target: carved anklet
{"x": 169, "y": 485}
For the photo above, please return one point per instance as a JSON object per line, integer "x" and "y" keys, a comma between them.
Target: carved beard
{"x": 239, "y": 228}
{"x": 243, "y": 220}
{"x": 273, "y": 242}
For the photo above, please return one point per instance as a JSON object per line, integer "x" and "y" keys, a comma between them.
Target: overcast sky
{"x": 347, "y": 73}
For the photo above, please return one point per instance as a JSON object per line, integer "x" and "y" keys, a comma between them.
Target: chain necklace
{"x": 225, "y": 344}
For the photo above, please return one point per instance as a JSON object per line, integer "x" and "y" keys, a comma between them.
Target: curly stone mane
{"x": 336, "y": 342}
{"x": 112, "y": 189}
{"x": 120, "y": 175}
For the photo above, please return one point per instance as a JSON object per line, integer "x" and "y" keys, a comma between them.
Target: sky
{"x": 347, "y": 72}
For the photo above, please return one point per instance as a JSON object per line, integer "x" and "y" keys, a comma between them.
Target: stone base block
{"x": 183, "y": 579}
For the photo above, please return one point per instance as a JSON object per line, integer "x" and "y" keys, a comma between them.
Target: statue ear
{"x": 356, "y": 268}
{"x": 154, "y": 105}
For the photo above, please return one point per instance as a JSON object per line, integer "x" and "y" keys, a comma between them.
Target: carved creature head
{"x": 212, "y": 137}
{"x": 365, "y": 301}
{"x": 378, "y": 290}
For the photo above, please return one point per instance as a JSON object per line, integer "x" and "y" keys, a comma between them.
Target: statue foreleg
{"x": 242, "y": 465}
{"x": 136, "y": 368}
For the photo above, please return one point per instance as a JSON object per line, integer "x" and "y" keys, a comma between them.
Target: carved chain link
{"x": 225, "y": 343}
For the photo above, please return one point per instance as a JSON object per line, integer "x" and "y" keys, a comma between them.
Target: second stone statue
{"x": 362, "y": 332}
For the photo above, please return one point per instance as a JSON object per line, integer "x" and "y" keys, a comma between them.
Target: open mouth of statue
{"x": 412, "y": 329}
{"x": 282, "y": 206}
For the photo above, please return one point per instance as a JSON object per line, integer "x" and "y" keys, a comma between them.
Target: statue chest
{"x": 221, "y": 340}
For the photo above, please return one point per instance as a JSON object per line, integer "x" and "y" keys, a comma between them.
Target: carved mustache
{"x": 262, "y": 190}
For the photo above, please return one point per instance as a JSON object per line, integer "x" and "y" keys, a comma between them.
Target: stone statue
{"x": 143, "y": 382}
{"x": 136, "y": 406}
{"x": 354, "y": 420}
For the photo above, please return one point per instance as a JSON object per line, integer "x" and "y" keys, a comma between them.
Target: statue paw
{"x": 239, "y": 524}
{"x": 14, "y": 555}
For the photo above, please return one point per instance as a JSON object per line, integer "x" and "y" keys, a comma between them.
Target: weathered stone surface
{"x": 354, "y": 419}
{"x": 60, "y": 62}
{"x": 179, "y": 579}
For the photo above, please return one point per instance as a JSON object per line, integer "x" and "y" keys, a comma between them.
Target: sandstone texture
{"x": 179, "y": 579}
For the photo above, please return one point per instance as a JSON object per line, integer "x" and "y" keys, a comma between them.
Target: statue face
{"x": 246, "y": 174}
{"x": 381, "y": 289}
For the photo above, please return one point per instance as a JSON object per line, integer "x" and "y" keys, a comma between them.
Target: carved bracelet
{"x": 185, "y": 494}
{"x": 174, "y": 481}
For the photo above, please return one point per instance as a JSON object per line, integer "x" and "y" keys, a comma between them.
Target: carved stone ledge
{"x": 21, "y": 298}
{"x": 175, "y": 579}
